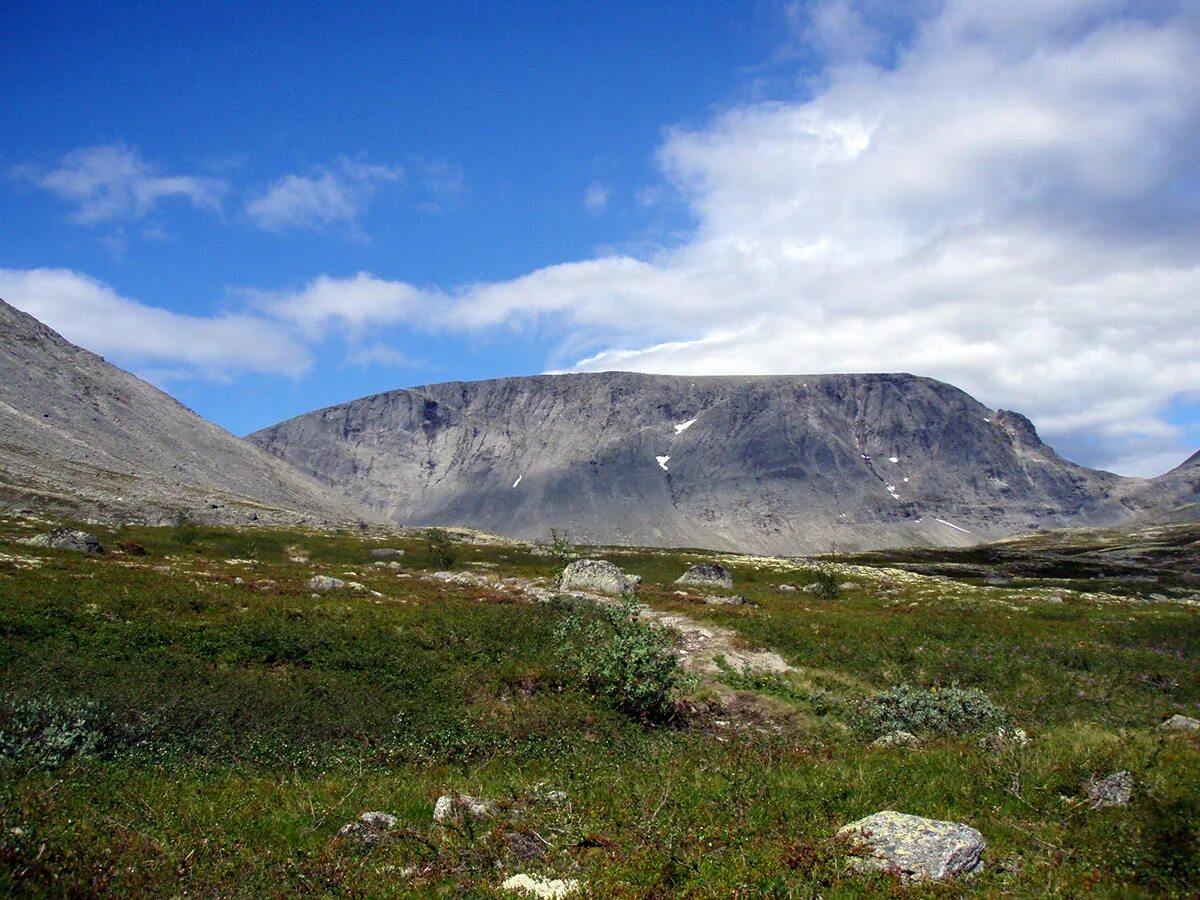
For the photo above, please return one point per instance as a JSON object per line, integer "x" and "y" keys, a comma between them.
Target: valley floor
{"x": 190, "y": 713}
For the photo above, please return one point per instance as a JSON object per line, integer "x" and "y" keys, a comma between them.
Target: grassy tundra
{"x": 184, "y": 715}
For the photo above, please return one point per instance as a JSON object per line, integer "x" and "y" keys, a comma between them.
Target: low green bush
{"x": 440, "y": 549}
{"x": 48, "y": 733}
{"x": 622, "y": 660}
{"x": 930, "y": 710}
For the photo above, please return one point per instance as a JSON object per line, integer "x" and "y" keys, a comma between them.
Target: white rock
{"x": 537, "y": 886}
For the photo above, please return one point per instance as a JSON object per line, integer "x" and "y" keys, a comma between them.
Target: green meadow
{"x": 184, "y": 716}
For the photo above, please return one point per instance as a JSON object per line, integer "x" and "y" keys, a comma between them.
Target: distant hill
{"x": 79, "y": 436}
{"x": 795, "y": 464}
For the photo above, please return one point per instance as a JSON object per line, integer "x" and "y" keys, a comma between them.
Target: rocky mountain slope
{"x": 82, "y": 437}
{"x": 779, "y": 465}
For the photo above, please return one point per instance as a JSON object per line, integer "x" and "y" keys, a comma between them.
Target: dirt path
{"x": 699, "y": 643}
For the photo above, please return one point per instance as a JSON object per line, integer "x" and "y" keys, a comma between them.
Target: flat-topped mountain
{"x": 81, "y": 437}
{"x": 766, "y": 464}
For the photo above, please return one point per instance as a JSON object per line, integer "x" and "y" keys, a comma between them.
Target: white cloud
{"x": 1009, "y": 203}
{"x": 595, "y": 198}
{"x": 155, "y": 340}
{"x": 344, "y": 304}
{"x": 111, "y": 182}
{"x": 337, "y": 194}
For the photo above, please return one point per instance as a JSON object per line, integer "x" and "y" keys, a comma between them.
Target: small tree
{"x": 440, "y": 549}
{"x": 562, "y": 551}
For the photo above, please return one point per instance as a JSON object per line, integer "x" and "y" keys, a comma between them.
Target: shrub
{"x": 827, "y": 586}
{"x": 933, "y": 710}
{"x": 562, "y": 551}
{"x": 186, "y": 529}
{"x": 48, "y": 733}
{"x": 627, "y": 663}
{"x": 440, "y": 549}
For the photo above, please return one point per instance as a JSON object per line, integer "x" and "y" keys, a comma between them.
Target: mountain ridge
{"x": 80, "y": 436}
{"x": 781, "y": 464}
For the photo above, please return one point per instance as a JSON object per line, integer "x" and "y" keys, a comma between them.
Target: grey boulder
{"x": 1180, "y": 723}
{"x": 67, "y": 539}
{"x": 386, "y": 553}
{"x": 915, "y": 848}
{"x": 597, "y": 575}
{"x": 707, "y": 575}
{"x": 1115, "y": 790}
{"x": 455, "y": 807}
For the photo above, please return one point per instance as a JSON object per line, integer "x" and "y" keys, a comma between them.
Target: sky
{"x": 265, "y": 208}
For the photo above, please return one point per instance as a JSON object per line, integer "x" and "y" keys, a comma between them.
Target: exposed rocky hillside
{"x": 82, "y": 437}
{"x": 766, "y": 464}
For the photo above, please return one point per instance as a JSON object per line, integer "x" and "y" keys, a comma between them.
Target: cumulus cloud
{"x": 1005, "y": 199}
{"x": 111, "y": 182}
{"x": 157, "y": 341}
{"x": 337, "y": 194}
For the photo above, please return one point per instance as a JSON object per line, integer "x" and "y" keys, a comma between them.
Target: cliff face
{"x": 79, "y": 436}
{"x": 790, "y": 464}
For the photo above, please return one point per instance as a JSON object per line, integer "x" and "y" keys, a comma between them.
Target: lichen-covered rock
{"x": 597, "y": 575}
{"x": 1180, "y": 723}
{"x": 453, "y": 807}
{"x": 707, "y": 574}
{"x": 915, "y": 848}
{"x": 371, "y": 828}
{"x": 1115, "y": 790}
{"x": 537, "y": 886}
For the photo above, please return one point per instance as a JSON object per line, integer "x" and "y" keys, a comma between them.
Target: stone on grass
{"x": 1115, "y": 790}
{"x": 537, "y": 886}
{"x": 597, "y": 575}
{"x": 371, "y": 828}
{"x": 726, "y": 601}
{"x": 454, "y": 807}
{"x": 707, "y": 575}
{"x": 1180, "y": 723}
{"x": 67, "y": 539}
{"x": 386, "y": 553}
{"x": 849, "y": 586}
{"x": 915, "y": 848}
{"x": 325, "y": 583}
{"x": 896, "y": 739}
{"x": 786, "y": 587}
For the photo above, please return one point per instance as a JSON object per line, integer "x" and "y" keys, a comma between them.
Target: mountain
{"x": 79, "y": 436}
{"x": 786, "y": 465}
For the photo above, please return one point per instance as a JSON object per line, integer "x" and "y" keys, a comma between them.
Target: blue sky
{"x": 269, "y": 208}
